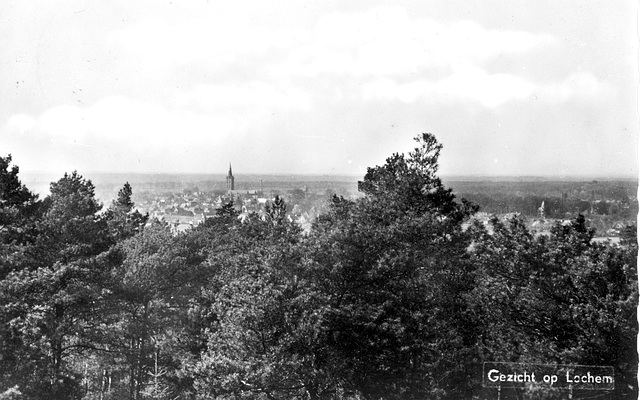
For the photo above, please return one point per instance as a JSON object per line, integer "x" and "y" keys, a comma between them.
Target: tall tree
{"x": 17, "y": 218}
{"x": 47, "y": 301}
{"x": 410, "y": 183}
{"x": 151, "y": 278}
{"x": 123, "y": 220}
{"x": 370, "y": 304}
{"x": 18, "y": 209}
{"x": 71, "y": 227}
{"x": 261, "y": 331}
{"x": 395, "y": 267}
{"x": 15, "y": 198}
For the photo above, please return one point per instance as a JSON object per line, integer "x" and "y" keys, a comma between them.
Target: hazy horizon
{"x": 39, "y": 182}
{"x": 222, "y": 176}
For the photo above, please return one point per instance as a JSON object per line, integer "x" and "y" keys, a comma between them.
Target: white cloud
{"x": 209, "y": 40}
{"x": 118, "y": 119}
{"x": 386, "y": 41}
{"x": 471, "y": 84}
{"x": 251, "y": 98}
{"x": 490, "y": 90}
{"x": 580, "y": 86}
{"x": 471, "y": 41}
{"x": 207, "y": 114}
{"x": 140, "y": 122}
{"x": 69, "y": 123}
{"x": 382, "y": 41}
{"x": 208, "y": 79}
{"x": 21, "y": 123}
{"x": 440, "y": 59}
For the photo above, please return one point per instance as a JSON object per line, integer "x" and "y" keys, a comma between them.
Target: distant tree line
{"x": 561, "y": 199}
{"x": 386, "y": 297}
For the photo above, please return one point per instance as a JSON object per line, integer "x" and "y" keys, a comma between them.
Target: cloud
{"x": 386, "y": 41}
{"x": 119, "y": 134}
{"x": 215, "y": 117}
{"x": 194, "y": 114}
{"x": 378, "y": 47}
{"x": 21, "y": 123}
{"x": 471, "y": 84}
{"x": 176, "y": 85}
{"x": 581, "y": 86}
{"x": 70, "y": 123}
{"x": 381, "y": 41}
{"x": 250, "y": 98}
{"x": 211, "y": 40}
{"x": 119, "y": 119}
{"x": 490, "y": 90}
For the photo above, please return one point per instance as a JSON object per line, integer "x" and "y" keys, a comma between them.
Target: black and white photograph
{"x": 319, "y": 200}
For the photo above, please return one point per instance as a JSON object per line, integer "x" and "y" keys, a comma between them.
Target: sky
{"x": 536, "y": 88}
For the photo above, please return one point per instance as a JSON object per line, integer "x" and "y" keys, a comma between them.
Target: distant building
{"x": 541, "y": 211}
{"x": 230, "y": 179}
{"x": 231, "y": 190}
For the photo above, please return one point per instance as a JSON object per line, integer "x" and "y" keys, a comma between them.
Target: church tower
{"x": 541, "y": 211}
{"x": 230, "y": 179}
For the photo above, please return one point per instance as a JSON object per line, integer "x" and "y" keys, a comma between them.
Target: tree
{"x": 258, "y": 313}
{"x": 629, "y": 236}
{"x": 556, "y": 299}
{"x": 71, "y": 227}
{"x": 18, "y": 210}
{"x": 18, "y": 213}
{"x": 152, "y": 277}
{"x": 370, "y": 304}
{"x": 122, "y": 219}
{"x": 15, "y": 199}
{"x": 297, "y": 195}
{"x": 411, "y": 184}
{"x": 48, "y": 299}
{"x": 394, "y": 268}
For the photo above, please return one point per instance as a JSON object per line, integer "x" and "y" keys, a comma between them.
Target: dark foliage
{"x": 394, "y": 295}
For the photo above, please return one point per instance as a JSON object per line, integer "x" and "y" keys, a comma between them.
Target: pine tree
{"x": 122, "y": 219}
{"x": 48, "y": 301}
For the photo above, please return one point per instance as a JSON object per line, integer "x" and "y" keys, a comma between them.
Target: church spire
{"x": 230, "y": 179}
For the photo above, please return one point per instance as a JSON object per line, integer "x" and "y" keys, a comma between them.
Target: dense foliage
{"x": 390, "y": 296}
{"x": 612, "y": 199}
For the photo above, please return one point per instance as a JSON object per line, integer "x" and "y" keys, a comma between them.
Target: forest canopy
{"x": 394, "y": 295}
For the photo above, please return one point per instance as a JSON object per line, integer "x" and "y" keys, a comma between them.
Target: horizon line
{"x": 456, "y": 176}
